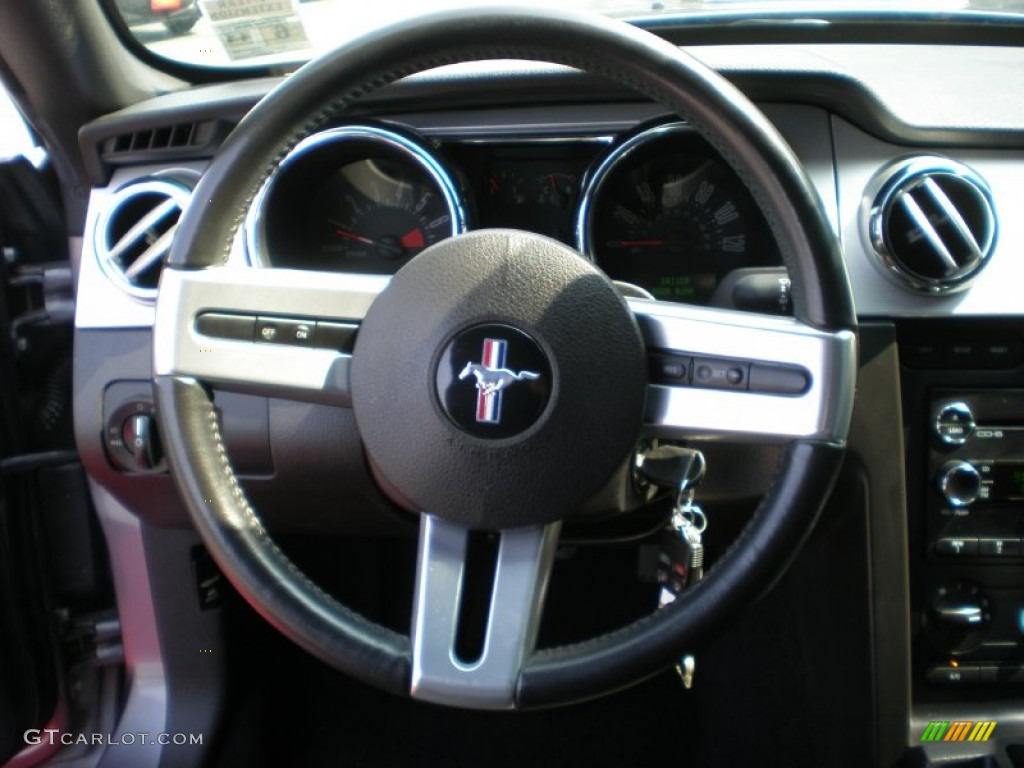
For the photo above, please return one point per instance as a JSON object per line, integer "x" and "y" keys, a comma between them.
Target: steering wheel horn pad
{"x": 579, "y": 324}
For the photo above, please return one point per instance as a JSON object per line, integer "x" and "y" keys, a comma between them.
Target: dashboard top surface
{"x": 848, "y": 110}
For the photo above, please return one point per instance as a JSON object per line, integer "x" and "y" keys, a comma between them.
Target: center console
{"x": 964, "y": 418}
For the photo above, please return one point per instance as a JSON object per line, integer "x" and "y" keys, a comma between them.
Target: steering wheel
{"x": 582, "y": 347}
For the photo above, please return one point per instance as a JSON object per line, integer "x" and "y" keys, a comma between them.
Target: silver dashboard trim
{"x": 994, "y": 291}
{"x": 596, "y": 178}
{"x": 525, "y": 556}
{"x": 896, "y": 185}
{"x": 147, "y": 705}
{"x": 822, "y": 412}
{"x": 304, "y": 373}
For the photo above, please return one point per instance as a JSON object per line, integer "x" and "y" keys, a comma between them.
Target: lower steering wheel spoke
{"x": 281, "y": 333}
{"x": 718, "y": 372}
{"x": 517, "y": 587}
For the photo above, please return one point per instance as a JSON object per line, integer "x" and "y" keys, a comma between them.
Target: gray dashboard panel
{"x": 996, "y": 291}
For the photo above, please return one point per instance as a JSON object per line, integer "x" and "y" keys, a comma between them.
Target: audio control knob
{"x": 954, "y": 423}
{"x": 960, "y": 483}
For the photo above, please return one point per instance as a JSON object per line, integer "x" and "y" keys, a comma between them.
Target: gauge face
{"x": 374, "y": 215}
{"x": 664, "y": 213}
{"x": 540, "y": 201}
{"x": 361, "y": 199}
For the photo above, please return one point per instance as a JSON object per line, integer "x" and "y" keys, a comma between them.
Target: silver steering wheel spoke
{"x": 517, "y": 590}
{"x": 280, "y": 332}
{"x": 722, "y": 373}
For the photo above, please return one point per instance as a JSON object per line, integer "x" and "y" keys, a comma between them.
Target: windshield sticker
{"x": 251, "y": 28}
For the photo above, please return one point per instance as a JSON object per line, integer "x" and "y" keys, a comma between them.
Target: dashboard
{"x": 655, "y": 208}
{"x": 921, "y": 186}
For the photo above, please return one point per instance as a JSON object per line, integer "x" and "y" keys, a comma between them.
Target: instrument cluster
{"x": 656, "y": 208}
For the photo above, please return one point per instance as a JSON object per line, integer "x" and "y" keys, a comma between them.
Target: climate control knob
{"x": 958, "y": 617}
{"x": 959, "y": 483}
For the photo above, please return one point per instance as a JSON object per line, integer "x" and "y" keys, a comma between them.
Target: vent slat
{"x": 181, "y": 135}
{"x": 152, "y": 255}
{"x": 138, "y": 230}
{"x": 920, "y": 218}
{"x": 953, "y": 215}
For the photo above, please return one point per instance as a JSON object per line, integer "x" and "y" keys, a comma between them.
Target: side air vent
{"x": 135, "y": 230}
{"x": 931, "y": 224}
{"x": 180, "y": 139}
{"x": 166, "y": 137}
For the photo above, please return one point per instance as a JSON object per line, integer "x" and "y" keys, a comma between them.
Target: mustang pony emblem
{"x": 491, "y": 378}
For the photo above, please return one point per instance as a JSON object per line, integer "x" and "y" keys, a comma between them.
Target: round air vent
{"x": 931, "y": 223}
{"x": 135, "y": 230}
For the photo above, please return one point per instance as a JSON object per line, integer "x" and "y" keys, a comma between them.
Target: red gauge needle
{"x": 354, "y": 236}
{"x": 388, "y": 247}
{"x": 635, "y": 243}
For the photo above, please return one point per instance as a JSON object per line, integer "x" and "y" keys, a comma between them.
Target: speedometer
{"x": 376, "y": 212}
{"x": 664, "y": 212}
{"x": 354, "y": 199}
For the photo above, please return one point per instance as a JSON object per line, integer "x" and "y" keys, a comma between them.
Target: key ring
{"x": 695, "y": 516}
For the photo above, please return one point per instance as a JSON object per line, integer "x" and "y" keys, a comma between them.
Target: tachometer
{"x": 662, "y": 211}
{"x": 354, "y": 199}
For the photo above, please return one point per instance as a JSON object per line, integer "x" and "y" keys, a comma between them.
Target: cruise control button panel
{"x": 720, "y": 373}
{"x": 288, "y": 331}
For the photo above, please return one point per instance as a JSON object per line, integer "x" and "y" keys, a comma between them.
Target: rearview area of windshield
{"x": 285, "y": 33}
{"x": 224, "y": 33}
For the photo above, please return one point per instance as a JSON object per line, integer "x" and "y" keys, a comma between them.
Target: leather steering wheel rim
{"x": 315, "y": 95}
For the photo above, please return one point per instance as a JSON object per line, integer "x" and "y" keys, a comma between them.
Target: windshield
{"x": 224, "y": 33}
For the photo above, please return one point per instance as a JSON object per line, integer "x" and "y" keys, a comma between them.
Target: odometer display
{"x": 663, "y": 212}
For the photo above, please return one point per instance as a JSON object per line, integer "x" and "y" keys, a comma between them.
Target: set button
{"x": 719, "y": 373}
